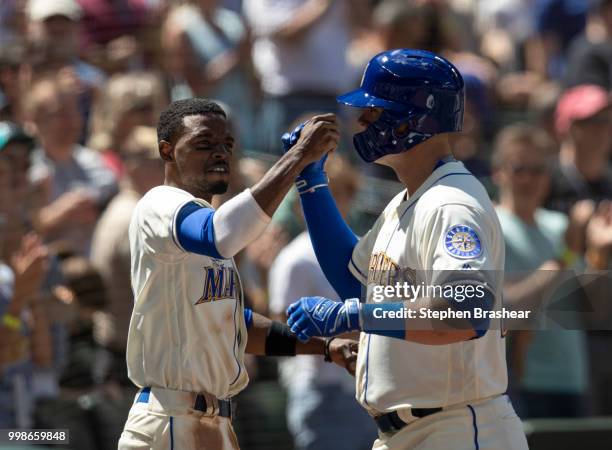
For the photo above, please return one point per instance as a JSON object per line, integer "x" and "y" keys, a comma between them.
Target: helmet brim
{"x": 361, "y": 99}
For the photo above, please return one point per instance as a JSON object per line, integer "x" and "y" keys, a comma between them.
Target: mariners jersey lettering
{"x": 448, "y": 224}
{"x": 187, "y": 330}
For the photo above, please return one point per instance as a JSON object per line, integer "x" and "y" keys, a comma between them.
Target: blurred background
{"x": 82, "y": 83}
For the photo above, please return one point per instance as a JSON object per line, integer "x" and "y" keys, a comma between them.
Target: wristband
{"x": 11, "y": 322}
{"x": 280, "y": 340}
{"x": 353, "y": 314}
{"x": 326, "y": 355}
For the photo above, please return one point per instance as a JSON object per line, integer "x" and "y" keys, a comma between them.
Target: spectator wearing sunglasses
{"x": 548, "y": 368}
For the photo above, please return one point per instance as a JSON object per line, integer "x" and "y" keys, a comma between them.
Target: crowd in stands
{"x": 82, "y": 83}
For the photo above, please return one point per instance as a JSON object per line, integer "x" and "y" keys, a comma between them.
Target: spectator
{"x": 583, "y": 122}
{"x": 317, "y": 393}
{"x": 24, "y": 327}
{"x": 25, "y": 331}
{"x": 82, "y": 403}
{"x": 433, "y": 27}
{"x": 110, "y": 249}
{"x": 12, "y": 21}
{"x": 128, "y": 100}
{"x": 551, "y": 373}
{"x": 12, "y": 57}
{"x": 299, "y": 53}
{"x": 557, "y": 23}
{"x": 74, "y": 179}
{"x": 598, "y": 256}
{"x": 589, "y": 58}
{"x": 106, "y": 20}
{"x": 208, "y": 53}
{"x": 15, "y": 148}
{"x": 54, "y": 37}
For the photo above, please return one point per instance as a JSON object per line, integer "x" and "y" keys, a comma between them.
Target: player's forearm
{"x": 332, "y": 240}
{"x": 260, "y": 343}
{"x": 274, "y": 185}
{"x": 414, "y": 326}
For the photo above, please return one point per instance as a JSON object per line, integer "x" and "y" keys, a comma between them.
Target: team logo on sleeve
{"x": 462, "y": 242}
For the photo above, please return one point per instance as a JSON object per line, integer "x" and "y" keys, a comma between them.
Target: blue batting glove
{"x": 319, "y": 316}
{"x": 313, "y": 175}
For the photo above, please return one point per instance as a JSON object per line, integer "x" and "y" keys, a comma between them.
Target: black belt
{"x": 223, "y": 407}
{"x": 392, "y": 423}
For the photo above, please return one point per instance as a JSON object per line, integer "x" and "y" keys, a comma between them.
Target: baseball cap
{"x": 11, "y": 132}
{"x": 43, "y": 9}
{"x": 579, "y": 103}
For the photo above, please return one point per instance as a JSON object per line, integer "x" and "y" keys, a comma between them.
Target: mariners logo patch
{"x": 462, "y": 242}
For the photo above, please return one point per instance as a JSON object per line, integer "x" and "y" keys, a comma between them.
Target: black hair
{"x": 171, "y": 119}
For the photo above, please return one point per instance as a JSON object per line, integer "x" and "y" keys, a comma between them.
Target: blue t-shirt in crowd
{"x": 556, "y": 360}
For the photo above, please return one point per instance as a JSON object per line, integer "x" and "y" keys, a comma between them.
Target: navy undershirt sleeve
{"x": 333, "y": 241}
{"x": 195, "y": 230}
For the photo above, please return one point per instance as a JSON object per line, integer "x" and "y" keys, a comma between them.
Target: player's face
{"x": 202, "y": 154}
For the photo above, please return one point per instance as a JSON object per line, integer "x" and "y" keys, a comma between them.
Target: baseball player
{"x": 189, "y": 329}
{"x": 438, "y": 386}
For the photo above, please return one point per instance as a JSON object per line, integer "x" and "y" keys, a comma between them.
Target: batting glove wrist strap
{"x": 313, "y": 175}
{"x": 352, "y": 308}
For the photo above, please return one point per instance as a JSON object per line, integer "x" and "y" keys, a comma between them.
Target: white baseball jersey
{"x": 449, "y": 223}
{"x": 187, "y": 330}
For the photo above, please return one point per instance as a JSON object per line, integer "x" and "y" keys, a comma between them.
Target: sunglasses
{"x": 525, "y": 169}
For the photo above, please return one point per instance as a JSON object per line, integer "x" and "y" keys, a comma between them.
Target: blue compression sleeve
{"x": 389, "y": 319}
{"x": 332, "y": 239}
{"x": 195, "y": 231}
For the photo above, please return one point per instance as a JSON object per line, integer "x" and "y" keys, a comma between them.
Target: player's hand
{"x": 344, "y": 353}
{"x": 320, "y": 316}
{"x": 315, "y": 138}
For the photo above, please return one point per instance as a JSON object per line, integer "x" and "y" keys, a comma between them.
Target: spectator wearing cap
{"x": 583, "y": 122}
{"x": 53, "y": 32}
{"x": 74, "y": 181}
{"x": 110, "y": 249}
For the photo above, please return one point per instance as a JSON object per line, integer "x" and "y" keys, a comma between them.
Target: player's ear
{"x": 166, "y": 151}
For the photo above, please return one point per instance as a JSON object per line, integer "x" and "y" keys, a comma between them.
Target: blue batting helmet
{"x": 414, "y": 87}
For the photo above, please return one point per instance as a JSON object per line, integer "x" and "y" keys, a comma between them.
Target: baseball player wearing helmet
{"x": 427, "y": 387}
{"x": 189, "y": 329}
